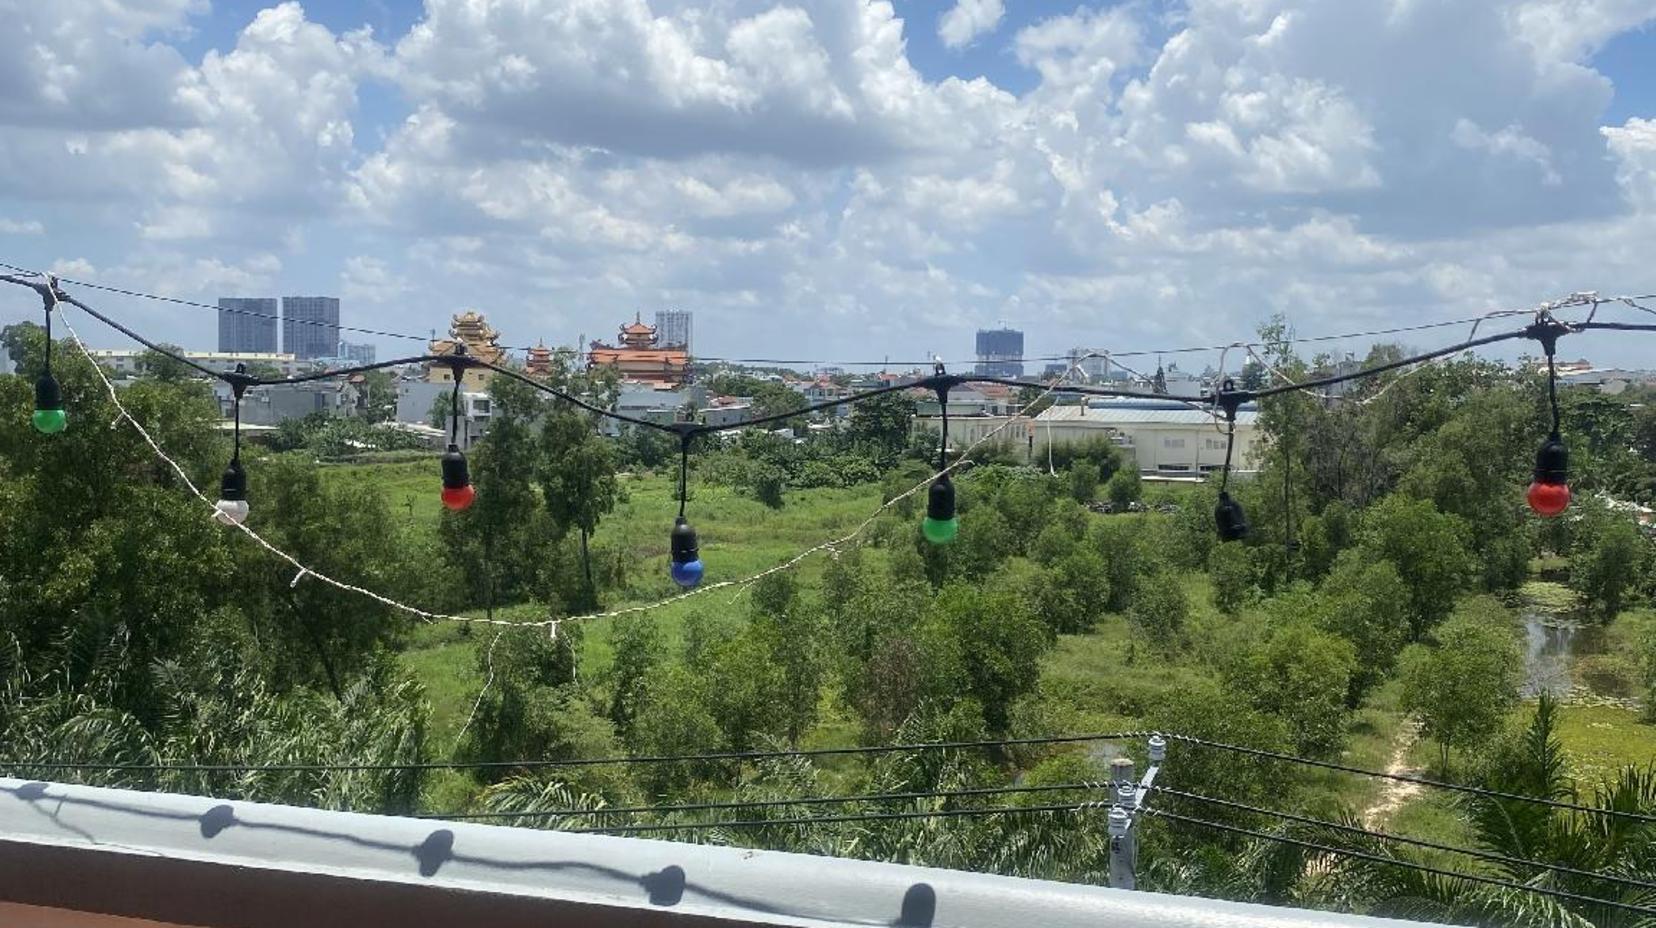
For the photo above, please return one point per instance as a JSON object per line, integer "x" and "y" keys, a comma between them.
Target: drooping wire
{"x": 677, "y": 808}
{"x": 1408, "y": 778}
{"x": 1069, "y": 808}
{"x": 1591, "y": 299}
{"x": 649, "y": 759}
{"x": 1398, "y": 862}
{"x": 1402, "y": 839}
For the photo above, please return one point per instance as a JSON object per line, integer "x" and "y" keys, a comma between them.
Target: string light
{"x": 940, "y": 525}
{"x": 1228, "y": 518}
{"x": 458, "y": 493}
{"x": 231, "y": 508}
{"x": 684, "y": 563}
{"x": 1549, "y": 490}
{"x": 49, "y": 417}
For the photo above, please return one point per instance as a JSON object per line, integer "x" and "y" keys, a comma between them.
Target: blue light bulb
{"x": 688, "y": 573}
{"x": 686, "y": 558}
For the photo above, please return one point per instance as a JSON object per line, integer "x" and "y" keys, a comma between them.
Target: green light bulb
{"x": 50, "y": 421}
{"x": 940, "y": 531}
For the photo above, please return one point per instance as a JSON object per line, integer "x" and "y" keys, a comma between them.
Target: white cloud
{"x": 782, "y": 167}
{"x": 968, "y": 20}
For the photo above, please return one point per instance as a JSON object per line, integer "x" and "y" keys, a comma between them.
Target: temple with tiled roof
{"x": 539, "y": 363}
{"x": 638, "y": 358}
{"x": 481, "y": 342}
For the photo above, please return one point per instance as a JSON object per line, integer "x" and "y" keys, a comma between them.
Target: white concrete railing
{"x": 89, "y": 856}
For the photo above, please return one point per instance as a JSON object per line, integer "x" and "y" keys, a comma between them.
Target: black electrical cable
{"x": 927, "y": 383}
{"x": 1146, "y": 352}
{"x": 1401, "y": 839}
{"x": 1391, "y": 365}
{"x": 769, "y": 803}
{"x": 1396, "y": 862}
{"x": 454, "y": 406}
{"x": 684, "y": 471}
{"x": 835, "y": 819}
{"x": 1406, "y": 778}
{"x": 578, "y": 762}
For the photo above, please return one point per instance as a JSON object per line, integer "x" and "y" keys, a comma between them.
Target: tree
{"x": 1160, "y": 608}
{"x": 159, "y": 366}
{"x": 768, "y": 481}
{"x": 790, "y": 632}
{"x": 989, "y": 642}
{"x": 1231, "y": 572}
{"x": 1123, "y": 488}
{"x": 1117, "y": 541}
{"x": 379, "y": 396}
{"x": 1083, "y": 481}
{"x": 881, "y": 426}
{"x": 1071, "y": 594}
{"x": 1606, "y": 561}
{"x": 1429, "y": 550}
{"x": 638, "y": 646}
{"x": 1299, "y": 674}
{"x": 495, "y": 542}
{"x": 441, "y": 412}
{"x": 577, "y": 481}
{"x": 1366, "y": 603}
{"x": 1462, "y": 686}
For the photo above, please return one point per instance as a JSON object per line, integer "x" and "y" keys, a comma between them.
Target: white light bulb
{"x": 230, "y": 511}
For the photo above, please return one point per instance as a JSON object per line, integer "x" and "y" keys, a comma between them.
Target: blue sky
{"x": 839, "y": 178}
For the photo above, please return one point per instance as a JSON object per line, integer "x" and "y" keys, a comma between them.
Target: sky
{"x": 837, "y": 180}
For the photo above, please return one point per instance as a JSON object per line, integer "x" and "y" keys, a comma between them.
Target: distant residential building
{"x": 1000, "y": 352}
{"x": 1609, "y": 381}
{"x": 310, "y": 326}
{"x": 5, "y": 360}
{"x": 673, "y": 329}
{"x": 363, "y": 353}
{"x": 416, "y": 399}
{"x": 247, "y": 324}
{"x": 124, "y": 361}
{"x": 640, "y": 357}
{"x": 653, "y": 402}
{"x": 1171, "y": 381}
{"x": 481, "y": 342}
{"x": 278, "y": 403}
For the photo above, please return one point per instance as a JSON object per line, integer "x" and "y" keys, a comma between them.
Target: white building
{"x": 124, "y": 361}
{"x": 1166, "y": 438}
{"x": 415, "y": 399}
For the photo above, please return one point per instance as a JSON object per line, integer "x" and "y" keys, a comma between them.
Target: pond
{"x": 1553, "y": 639}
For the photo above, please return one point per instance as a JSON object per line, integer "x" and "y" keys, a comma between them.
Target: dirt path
{"x": 1394, "y": 793}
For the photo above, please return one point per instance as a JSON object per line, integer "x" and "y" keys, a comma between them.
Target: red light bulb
{"x": 1548, "y": 499}
{"x": 458, "y": 498}
{"x": 1549, "y": 493}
